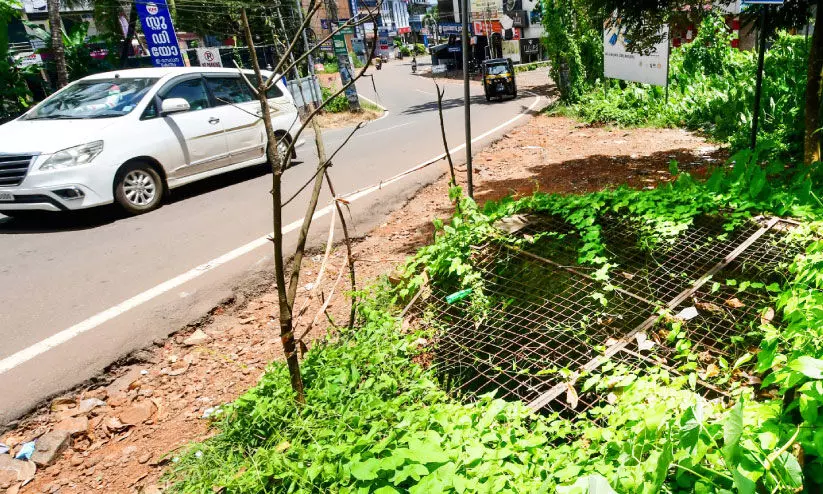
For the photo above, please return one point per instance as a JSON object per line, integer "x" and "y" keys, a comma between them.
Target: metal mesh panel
{"x": 542, "y": 321}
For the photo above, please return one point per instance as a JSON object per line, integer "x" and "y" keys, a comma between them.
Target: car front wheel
{"x": 283, "y": 142}
{"x": 138, "y": 188}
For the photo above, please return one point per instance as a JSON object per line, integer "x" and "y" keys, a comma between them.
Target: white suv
{"x": 132, "y": 135}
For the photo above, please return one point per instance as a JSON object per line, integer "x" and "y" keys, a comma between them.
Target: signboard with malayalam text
{"x": 160, "y": 36}
{"x": 620, "y": 63}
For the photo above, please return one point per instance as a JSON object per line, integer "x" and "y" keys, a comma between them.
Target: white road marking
{"x": 383, "y": 130}
{"x": 96, "y": 320}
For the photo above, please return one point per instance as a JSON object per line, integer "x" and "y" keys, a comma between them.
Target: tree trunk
{"x": 811, "y": 144}
{"x": 285, "y": 308}
{"x": 57, "y": 49}
{"x": 124, "y": 50}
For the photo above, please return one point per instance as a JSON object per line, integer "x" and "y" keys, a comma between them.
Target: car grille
{"x": 13, "y": 168}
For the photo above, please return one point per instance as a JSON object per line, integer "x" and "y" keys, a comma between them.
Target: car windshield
{"x": 497, "y": 69}
{"x": 98, "y": 98}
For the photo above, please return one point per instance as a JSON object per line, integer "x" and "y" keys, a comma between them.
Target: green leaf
{"x": 794, "y": 473}
{"x": 742, "y": 482}
{"x": 808, "y": 408}
{"x": 590, "y": 484}
{"x": 366, "y": 470}
{"x": 426, "y": 452}
{"x": 673, "y": 169}
{"x": 386, "y": 489}
{"x": 732, "y": 431}
{"x": 808, "y": 366}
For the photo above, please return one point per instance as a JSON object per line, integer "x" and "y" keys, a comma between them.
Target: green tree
{"x": 574, "y": 45}
{"x": 77, "y": 58}
{"x": 14, "y": 93}
{"x": 57, "y": 49}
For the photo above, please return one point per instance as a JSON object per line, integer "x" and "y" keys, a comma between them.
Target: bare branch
{"x": 349, "y": 255}
{"x": 348, "y": 23}
{"x": 248, "y": 82}
{"x": 325, "y": 165}
{"x": 297, "y": 36}
{"x": 440, "y": 94}
{"x": 317, "y": 110}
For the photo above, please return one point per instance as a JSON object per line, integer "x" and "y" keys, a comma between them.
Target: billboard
{"x": 485, "y": 28}
{"x": 619, "y": 63}
{"x": 511, "y": 49}
{"x": 159, "y": 32}
{"x": 486, "y": 9}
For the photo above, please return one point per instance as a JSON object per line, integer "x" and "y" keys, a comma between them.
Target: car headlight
{"x": 74, "y": 156}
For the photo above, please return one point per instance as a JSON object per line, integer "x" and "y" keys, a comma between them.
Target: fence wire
{"x": 540, "y": 321}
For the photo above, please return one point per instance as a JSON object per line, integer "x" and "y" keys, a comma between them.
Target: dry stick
{"x": 319, "y": 279}
{"x": 323, "y": 161}
{"x": 443, "y": 132}
{"x": 349, "y": 254}
{"x": 303, "y": 235}
{"x": 322, "y": 309}
{"x": 285, "y": 315}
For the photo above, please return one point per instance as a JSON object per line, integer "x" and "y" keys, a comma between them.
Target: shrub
{"x": 337, "y": 104}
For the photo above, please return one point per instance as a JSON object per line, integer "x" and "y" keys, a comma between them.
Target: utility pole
{"x": 467, "y": 97}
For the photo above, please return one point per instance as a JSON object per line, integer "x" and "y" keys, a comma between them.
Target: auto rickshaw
{"x": 498, "y": 78}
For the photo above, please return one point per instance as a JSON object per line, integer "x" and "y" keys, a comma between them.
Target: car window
{"x": 94, "y": 98}
{"x": 191, "y": 90}
{"x": 274, "y": 92}
{"x": 498, "y": 69}
{"x": 229, "y": 90}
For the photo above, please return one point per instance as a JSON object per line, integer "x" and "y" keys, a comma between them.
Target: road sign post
{"x": 467, "y": 98}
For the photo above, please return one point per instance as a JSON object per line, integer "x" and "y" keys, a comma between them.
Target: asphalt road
{"x": 69, "y": 275}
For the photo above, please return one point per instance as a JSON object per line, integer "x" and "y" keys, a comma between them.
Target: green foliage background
{"x": 712, "y": 90}
{"x": 574, "y": 46}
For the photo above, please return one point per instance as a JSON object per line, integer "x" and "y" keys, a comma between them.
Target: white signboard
{"x": 486, "y": 9}
{"x": 619, "y": 63}
{"x": 27, "y": 59}
{"x": 439, "y": 69}
{"x": 209, "y": 57}
{"x": 511, "y": 49}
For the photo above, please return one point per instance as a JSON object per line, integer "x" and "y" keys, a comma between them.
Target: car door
{"x": 239, "y": 112}
{"x": 283, "y": 111}
{"x": 199, "y": 130}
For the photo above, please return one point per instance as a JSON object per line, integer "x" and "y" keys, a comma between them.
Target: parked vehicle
{"x": 498, "y": 78}
{"x": 130, "y": 136}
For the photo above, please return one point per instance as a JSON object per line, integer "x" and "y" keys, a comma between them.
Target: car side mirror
{"x": 174, "y": 105}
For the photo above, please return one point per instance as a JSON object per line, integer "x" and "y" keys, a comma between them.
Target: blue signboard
{"x": 160, "y": 35}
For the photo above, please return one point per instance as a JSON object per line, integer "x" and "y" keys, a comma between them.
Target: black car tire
{"x": 138, "y": 188}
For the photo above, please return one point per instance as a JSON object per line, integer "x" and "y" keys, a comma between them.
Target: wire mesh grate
{"x": 541, "y": 321}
